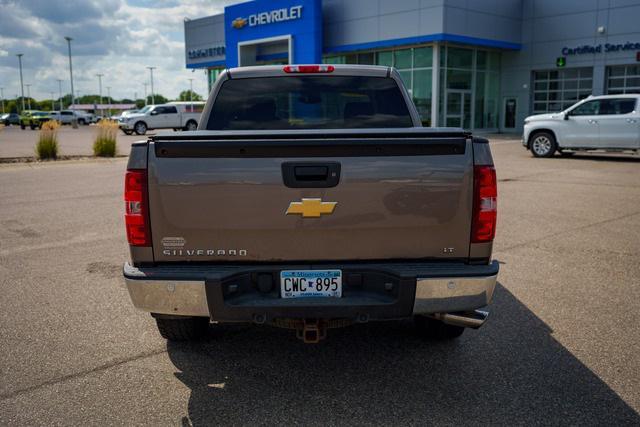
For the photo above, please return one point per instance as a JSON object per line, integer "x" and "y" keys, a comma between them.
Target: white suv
{"x": 610, "y": 122}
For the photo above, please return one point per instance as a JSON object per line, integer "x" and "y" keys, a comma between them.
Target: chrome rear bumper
{"x": 185, "y": 294}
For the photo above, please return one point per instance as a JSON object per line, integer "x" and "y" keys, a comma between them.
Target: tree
{"x": 184, "y": 96}
{"x": 158, "y": 99}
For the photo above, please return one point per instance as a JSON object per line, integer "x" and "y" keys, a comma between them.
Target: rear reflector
{"x": 136, "y": 215}
{"x": 485, "y": 204}
{"x": 309, "y": 69}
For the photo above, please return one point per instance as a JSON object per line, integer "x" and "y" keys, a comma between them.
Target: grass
{"x": 105, "y": 144}
{"x": 47, "y": 145}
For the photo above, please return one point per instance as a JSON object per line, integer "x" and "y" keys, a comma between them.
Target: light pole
{"x": 53, "y": 107}
{"x": 153, "y": 100}
{"x": 19, "y": 55}
{"x": 100, "y": 89}
{"x": 60, "y": 90}
{"x": 109, "y": 97}
{"x": 68, "y": 39}
{"x": 191, "y": 93}
{"x": 2, "y": 97}
{"x": 145, "y": 93}
{"x": 28, "y": 95}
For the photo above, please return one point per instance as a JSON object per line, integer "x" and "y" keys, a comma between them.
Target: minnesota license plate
{"x": 311, "y": 283}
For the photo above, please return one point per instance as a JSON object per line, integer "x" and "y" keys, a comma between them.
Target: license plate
{"x": 311, "y": 283}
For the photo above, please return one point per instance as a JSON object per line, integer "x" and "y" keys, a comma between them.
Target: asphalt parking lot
{"x": 16, "y": 142}
{"x": 562, "y": 345}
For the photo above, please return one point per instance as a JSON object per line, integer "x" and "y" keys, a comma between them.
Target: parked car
{"x": 10, "y": 119}
{"x": 175, "y": 116}
{"x": 34, "y": 119}
{"x": 66, "y": 117}
{"x": 608, "y": 122}
{"x": 311, "y": 198}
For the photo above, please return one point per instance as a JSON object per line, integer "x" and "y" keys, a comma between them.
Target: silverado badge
{"x": 311, "y": 208}
{"x": 238, "y": 23}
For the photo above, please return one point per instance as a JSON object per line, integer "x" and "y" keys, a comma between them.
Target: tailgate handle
{"x": 311, "y": 174}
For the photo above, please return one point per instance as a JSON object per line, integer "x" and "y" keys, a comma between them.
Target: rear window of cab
{"x": 309, "y": 102}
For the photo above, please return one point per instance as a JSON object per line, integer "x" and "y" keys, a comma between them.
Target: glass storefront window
{"x": 339, "y": 59}
{"x": 385, "y": 58}
{"x": 366, "y": 58}
{"x": 458, "y": 79}
{"x": 469, "y": 78}
{"x": 459, "y": 58}
{"x": 423, "y": 57}
{"x": 402, "y": 58}
{"x": 481, "y": 60}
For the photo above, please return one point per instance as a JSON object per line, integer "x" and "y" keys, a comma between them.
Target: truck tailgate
{"x": 230, "y": 196}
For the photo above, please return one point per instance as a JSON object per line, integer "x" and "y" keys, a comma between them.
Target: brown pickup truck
{"x": 311, "y": 198}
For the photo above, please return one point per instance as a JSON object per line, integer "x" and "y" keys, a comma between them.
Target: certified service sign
{"x": 269, "y": 17}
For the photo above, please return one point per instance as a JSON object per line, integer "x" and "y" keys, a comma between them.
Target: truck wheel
{"x": 22, "y": 126}
{"x": 182, "y": 329}
{"x": 32, "y": 126}
{"x": 127, "y": 132}
{"x": 191, "y": 125}
{"x": 543, "y": 144}
{"x": 433, "y": 329}
{"x": 140, "y": 128}
{"x": 81, "y": 122}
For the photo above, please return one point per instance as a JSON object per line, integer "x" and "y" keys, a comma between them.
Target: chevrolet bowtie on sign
{"x": 239, "y": 23}
{"x": 311, "y": 208}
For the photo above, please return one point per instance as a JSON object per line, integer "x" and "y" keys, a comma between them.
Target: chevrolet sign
{"x": 270, "y": 17}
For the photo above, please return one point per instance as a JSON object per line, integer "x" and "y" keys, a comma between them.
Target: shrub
{"x": 105, "y": 143}
{"x": 47, "y": 145}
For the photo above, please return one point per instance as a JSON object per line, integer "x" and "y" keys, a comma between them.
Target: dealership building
{"x": 479, "y": 64}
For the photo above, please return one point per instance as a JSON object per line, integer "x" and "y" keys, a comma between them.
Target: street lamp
{"x": 100, "y": 89}
{"x": 109, "y": 97}
{"x": 19, "y": 55}
{"x": 68, "y": 39}
{"x": 60, "y": 90}
{"x": 145, "y": 93}
{"x": 191, "y": 93}
{"x": 153, "y": 100}
{"x": 28, "y": 95}
{"x": 53, "y": 107}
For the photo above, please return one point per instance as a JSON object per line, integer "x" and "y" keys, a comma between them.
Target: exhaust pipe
{"x": 473, "y": 319}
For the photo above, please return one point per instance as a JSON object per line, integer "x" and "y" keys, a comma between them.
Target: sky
{"x": 118, "y": 38}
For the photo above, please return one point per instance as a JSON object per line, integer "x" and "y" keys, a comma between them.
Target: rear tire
{"x": 436, "y": 330}
{"x": 543, "y": 144}
{"x": 127, "y": 132}
{"x": 182, "y": 329}
{"x": 191, "y": 126}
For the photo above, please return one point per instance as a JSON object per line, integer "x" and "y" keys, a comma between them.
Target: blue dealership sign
{"x": 301, "y": 20}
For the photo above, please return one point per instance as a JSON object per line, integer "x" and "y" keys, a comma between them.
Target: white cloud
{"x": 119, "y": 38}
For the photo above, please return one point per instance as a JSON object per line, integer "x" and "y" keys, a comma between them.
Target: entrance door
{"x": 458, "y": 109}
{"x": 509, "y": 112}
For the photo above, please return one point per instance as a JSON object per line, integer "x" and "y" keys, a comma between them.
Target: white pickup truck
{"x": 607, "y": 122}
{"x": 66, "y": 117}
{"x": 174, "y": 115}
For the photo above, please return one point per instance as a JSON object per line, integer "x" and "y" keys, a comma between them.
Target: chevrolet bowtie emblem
{"x": 311, "y": 208}
{"x": 238, "y": 23}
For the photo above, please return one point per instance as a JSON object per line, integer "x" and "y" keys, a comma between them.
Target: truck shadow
{"x": 510, "y": 372}
{"x": 596, "y": 157}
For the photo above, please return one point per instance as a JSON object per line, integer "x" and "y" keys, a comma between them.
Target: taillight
{"x": 309, "y": 68}
{"x": 136, "y": 215}
{"x": 485, "y": 204}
